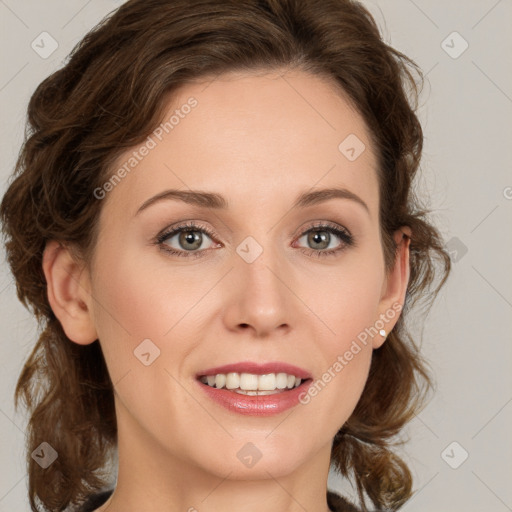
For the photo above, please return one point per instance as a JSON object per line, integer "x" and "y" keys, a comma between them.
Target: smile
{"x": 252, "y": 384}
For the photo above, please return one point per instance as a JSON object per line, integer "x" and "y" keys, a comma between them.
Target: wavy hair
{"x": 112, "y": 93}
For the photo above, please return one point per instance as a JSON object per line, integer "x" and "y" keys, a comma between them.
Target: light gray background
{"x": 466, "y": 111}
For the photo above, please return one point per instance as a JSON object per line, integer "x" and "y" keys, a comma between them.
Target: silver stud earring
{"x": 382, "y": 332}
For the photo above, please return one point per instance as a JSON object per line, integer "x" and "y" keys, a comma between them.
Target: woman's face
{"x": 253, "y": 280}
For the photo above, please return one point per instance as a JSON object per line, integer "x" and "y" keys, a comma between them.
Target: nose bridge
{"x": 260, "y": 298}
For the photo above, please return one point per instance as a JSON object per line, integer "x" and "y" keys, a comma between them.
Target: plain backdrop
{"x": 460, "y": 447}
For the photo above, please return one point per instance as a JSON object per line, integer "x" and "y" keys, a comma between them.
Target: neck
{"x": 150, "y": 477}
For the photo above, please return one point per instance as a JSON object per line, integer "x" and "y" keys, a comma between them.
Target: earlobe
{"x": 395, "y": 285}
{"x": 69, "y": 293}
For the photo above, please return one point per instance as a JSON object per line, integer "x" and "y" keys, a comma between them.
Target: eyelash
{"x": 343, "y": 234}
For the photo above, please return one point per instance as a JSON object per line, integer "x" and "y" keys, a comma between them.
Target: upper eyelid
{"x": 196, "y": 226}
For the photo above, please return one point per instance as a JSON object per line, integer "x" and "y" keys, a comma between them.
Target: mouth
{"x": 253, "y": 384}
{"x": 255, "y": 389}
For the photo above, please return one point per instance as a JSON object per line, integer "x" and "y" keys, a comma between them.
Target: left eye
{"x": 320, "y": 238}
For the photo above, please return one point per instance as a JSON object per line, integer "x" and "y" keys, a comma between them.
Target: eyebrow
{"x": 219, "y": 202}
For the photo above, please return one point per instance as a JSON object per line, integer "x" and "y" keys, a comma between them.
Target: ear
{"x": 394, "y": 287}
{"x": 68, "y": 288}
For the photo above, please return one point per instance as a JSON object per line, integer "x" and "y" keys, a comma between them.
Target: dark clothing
{"x": 336, "y": 503}
{"x": 96, "y": 500}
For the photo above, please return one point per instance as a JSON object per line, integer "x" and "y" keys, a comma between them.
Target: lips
{"x": 257, "y": 368}
{"x": 263, "y": 403}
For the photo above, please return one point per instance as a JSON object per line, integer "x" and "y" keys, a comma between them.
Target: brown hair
{"x": 109, "y": 96}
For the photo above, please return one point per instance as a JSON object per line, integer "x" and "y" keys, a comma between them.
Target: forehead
{"x": 258, "y": 137}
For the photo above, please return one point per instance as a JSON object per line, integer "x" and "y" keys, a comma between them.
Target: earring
{"x": 382, "y": 332}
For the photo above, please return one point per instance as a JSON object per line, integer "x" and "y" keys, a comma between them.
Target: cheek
{"x": 135, "y": 311}
{"x": 348, "y": 305}
{"x": 139, "y": 298}
{"x": 349, "y": 299}
{"x": 334, "y": 393}
{"x": 127, "y": 308}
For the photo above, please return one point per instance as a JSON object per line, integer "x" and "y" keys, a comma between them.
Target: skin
{"x": 251, "y": 137}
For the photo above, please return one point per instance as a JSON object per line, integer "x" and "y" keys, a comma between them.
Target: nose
{"x": 259, "y": 298}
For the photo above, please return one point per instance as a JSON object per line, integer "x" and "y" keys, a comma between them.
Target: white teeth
{"x": 267, "y": 382}
{"x": 252, "y": 384}
{"x": 232, "y": 380}
{"x": 220, "y": 380}
{"x": 256, "y": 393}
{"x": 248, "y": 381}
{"x": 281, "y": 380}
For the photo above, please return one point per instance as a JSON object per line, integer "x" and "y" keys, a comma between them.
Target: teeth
{"x": 248, "y": 381}
{"x": 281, "y": 380}
{"x": 256, "y": 393}
{"x": 220, "y": 380}
{"x": 232, "y": 380}
{"x": 252, "y": 384}
{"x": 267, "y": 382}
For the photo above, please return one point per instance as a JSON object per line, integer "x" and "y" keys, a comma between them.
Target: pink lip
{"x": 256, "y": 405}
{"x": 263, "y": 405}
{"x": 257, "y": 369}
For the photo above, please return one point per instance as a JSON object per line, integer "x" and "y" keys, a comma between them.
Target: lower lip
{"x": 256, "y": 405}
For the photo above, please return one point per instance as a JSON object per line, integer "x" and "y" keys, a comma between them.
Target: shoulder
{"x": 95, "y": 500}
{"x": 339, "y": 504}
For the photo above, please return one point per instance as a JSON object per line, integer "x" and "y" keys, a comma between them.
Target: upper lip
{"x": 258, "y": 369}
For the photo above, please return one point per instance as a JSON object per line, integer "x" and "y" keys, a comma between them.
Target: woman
{"x": 212, "y": 219}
